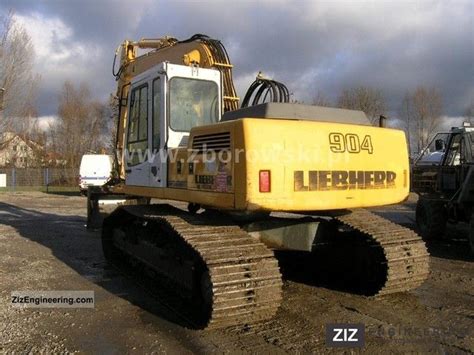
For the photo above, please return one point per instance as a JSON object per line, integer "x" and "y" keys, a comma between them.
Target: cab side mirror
{"x": 440, "y": 145}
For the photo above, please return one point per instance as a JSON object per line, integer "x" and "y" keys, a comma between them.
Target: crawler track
{"x": 242, "y": 282}
{"x": 405, "y": 258}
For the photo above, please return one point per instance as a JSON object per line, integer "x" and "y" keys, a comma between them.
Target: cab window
{"x": 434, "y": 152}
{"x": 454, "y": 152}
{"x": 138, "y": 126}
{"x": 192, "y": 103}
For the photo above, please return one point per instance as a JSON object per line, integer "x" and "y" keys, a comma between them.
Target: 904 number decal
{"x": 340, "y": 143}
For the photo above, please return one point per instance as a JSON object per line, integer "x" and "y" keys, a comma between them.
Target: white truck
{"x": 95, "y": 170}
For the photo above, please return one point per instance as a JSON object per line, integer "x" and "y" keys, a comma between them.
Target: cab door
{"x": 137, "y": 171}
{"x": 451, "y": 168}
{"x": 158, "y": 160}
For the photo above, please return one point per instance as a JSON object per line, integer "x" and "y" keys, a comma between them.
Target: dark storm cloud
{"x": 312, "y": 46}
{"x": 82, "y": 50}
{"x": 100, "y": 20}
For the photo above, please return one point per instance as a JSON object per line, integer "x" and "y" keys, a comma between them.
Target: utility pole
{"x": 2, "y": 92}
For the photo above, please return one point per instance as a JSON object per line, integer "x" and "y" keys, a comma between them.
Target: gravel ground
{"x": 45, "y": 246}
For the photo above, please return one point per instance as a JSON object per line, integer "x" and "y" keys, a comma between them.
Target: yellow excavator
{"x": 258, "y": 177}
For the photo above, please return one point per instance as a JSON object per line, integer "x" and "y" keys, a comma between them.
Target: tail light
{"x": 265, "y": 183}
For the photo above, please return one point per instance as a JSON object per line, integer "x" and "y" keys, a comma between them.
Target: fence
{"x": 38, "y": 178}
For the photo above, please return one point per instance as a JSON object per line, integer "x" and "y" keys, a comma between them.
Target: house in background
{"x": 18, "y": 151}
{"x": 52, "y": 159}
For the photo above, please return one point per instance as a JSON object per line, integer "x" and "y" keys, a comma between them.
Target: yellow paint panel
{"x": 315, "y": 166}
{"x": 308, "y": 147}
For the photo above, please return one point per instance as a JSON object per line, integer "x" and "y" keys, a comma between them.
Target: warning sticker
{"x": 221, "y": 181}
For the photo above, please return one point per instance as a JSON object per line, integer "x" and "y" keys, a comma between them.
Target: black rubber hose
{"x": 264, "y": 89}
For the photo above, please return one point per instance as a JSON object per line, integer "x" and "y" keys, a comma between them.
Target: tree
{"x": 113, "y": 114}
{"x": 321, "y": 100}
{"x": 366, "y": 99}
{"x": 421, "y": 111}
{"x": 17, "y": 79}
{"x": 81, "y": 125}
{"x": 469, "y": 112}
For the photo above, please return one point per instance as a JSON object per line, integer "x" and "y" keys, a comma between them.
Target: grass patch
{"x": 59, "y": 190}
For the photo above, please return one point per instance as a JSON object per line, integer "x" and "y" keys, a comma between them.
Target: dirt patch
{"x": 45, "y": 246}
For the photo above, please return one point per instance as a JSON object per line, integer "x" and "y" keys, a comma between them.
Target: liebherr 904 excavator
{"x": 264, "y": 177}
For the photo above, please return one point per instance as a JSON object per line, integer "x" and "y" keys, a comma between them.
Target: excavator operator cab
{"x": 164, "y": 103}
{"x": 433, "y": 154}
{"x": 443, "y": 165}
{"x": 443, "y": 177}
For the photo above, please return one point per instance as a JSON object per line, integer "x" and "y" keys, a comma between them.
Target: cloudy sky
{"x": 312, "y": 46}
